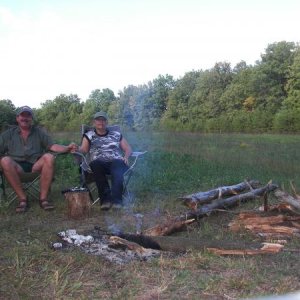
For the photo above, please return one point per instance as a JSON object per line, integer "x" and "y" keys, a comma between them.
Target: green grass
{"x": 176, "y": 164}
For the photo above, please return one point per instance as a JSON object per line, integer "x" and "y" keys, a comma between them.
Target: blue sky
{"x": 53, "y": 47}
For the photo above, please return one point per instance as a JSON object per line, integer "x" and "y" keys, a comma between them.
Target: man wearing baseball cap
{"x": 25, "y": 148}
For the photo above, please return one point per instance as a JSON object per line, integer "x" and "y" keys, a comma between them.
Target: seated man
{"x": 23, "y": 148}
{"x": 105, "y": 148}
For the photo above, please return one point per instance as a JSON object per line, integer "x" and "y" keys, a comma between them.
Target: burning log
{"x": 193, "y": 200}
{"x": 168, "y": 227}
{"x": 119, "y": 243}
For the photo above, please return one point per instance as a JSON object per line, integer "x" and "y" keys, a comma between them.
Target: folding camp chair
{"x": 86, "y": 175}
{"x": 30, "y": 183}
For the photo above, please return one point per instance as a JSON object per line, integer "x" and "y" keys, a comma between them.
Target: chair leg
{"x": 2, "y": 186}
{"x": 98, "y": 199}
{"x": 30, "y": 188}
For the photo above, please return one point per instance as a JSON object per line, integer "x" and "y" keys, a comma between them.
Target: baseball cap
{"x": 24, "y": 109}
{"x": 100, "y": 114}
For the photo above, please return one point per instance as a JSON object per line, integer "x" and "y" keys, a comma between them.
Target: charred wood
{"x": 182, "y": 244}
{"x": 168, "y": 227}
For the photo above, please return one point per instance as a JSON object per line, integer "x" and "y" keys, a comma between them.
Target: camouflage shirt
{"x": 104, "y": 147}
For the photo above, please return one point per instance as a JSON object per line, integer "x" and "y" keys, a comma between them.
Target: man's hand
{"x": 72, "y": 147}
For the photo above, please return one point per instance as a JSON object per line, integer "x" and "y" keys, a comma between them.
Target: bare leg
{"x": 11, "y": 171}
{"x": 45, "y": 166}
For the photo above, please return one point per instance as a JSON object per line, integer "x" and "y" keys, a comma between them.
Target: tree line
{"x": 264, "y": 97}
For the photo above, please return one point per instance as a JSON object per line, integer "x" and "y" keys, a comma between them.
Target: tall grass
{"x": 190, "y": 162}
{"x": 175, "y": 164}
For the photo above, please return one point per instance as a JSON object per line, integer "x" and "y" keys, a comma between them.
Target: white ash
{"x": 70, "y": 236}
{"x": 103, "y": 247}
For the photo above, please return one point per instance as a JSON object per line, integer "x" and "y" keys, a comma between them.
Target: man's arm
{"x": 63, "y": 149}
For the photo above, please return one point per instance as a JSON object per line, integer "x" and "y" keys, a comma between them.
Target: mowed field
{"x": 175, "y": 164}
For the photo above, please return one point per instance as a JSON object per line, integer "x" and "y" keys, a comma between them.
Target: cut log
{"x": 266, "y": 226}
{"x": 267, "y": 248}
{"x": 282, "y": 208}
{"x": 285, "y": 197}
{"x": 281, "y": 230}
{"x": 242, "y": 222}
{"x": 227, "y": 202}
{"x": 193, "y": 200}
{"x": 79, "y": 204}
{"x": 255, "y": 219}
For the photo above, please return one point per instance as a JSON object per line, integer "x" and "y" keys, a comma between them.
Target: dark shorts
{"x": 26, "y": 166}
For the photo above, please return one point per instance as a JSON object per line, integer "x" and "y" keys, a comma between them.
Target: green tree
{"x": 99, "y": 100}
{"x": 271, "y": 76}
{"x": 133, "y": 106}
{"x": 205, "y": 102}
{"x": 288, "y": 118}
{"x": 157, "y": 101}
{"x": 60, "y": 113}
{"x": 177, "y": 112}
{"x": 7, "y": 113}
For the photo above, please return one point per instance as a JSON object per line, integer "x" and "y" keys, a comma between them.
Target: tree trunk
{"x": 193, "y": 200}
{"x": 228, "y": 202}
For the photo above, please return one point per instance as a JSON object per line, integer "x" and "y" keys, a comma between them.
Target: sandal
{"x": 45, "y": 205}
{"x": 22, "y": 207}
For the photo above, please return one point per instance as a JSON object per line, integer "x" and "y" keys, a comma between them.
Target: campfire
{"x": 114, "y": 248}
{"x": 276, "y": 224}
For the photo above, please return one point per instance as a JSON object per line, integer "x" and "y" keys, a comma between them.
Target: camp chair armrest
{"x": 83, "y": 161}
{"x": 136, "y": 155}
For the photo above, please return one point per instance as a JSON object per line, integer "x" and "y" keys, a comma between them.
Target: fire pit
{"x": 119, "y": 248}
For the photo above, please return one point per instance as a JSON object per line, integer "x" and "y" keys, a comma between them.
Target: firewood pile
{"x": 202, "y": 204}
{"x": 275, "y": 224}
{"x": 279, "y": 221}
